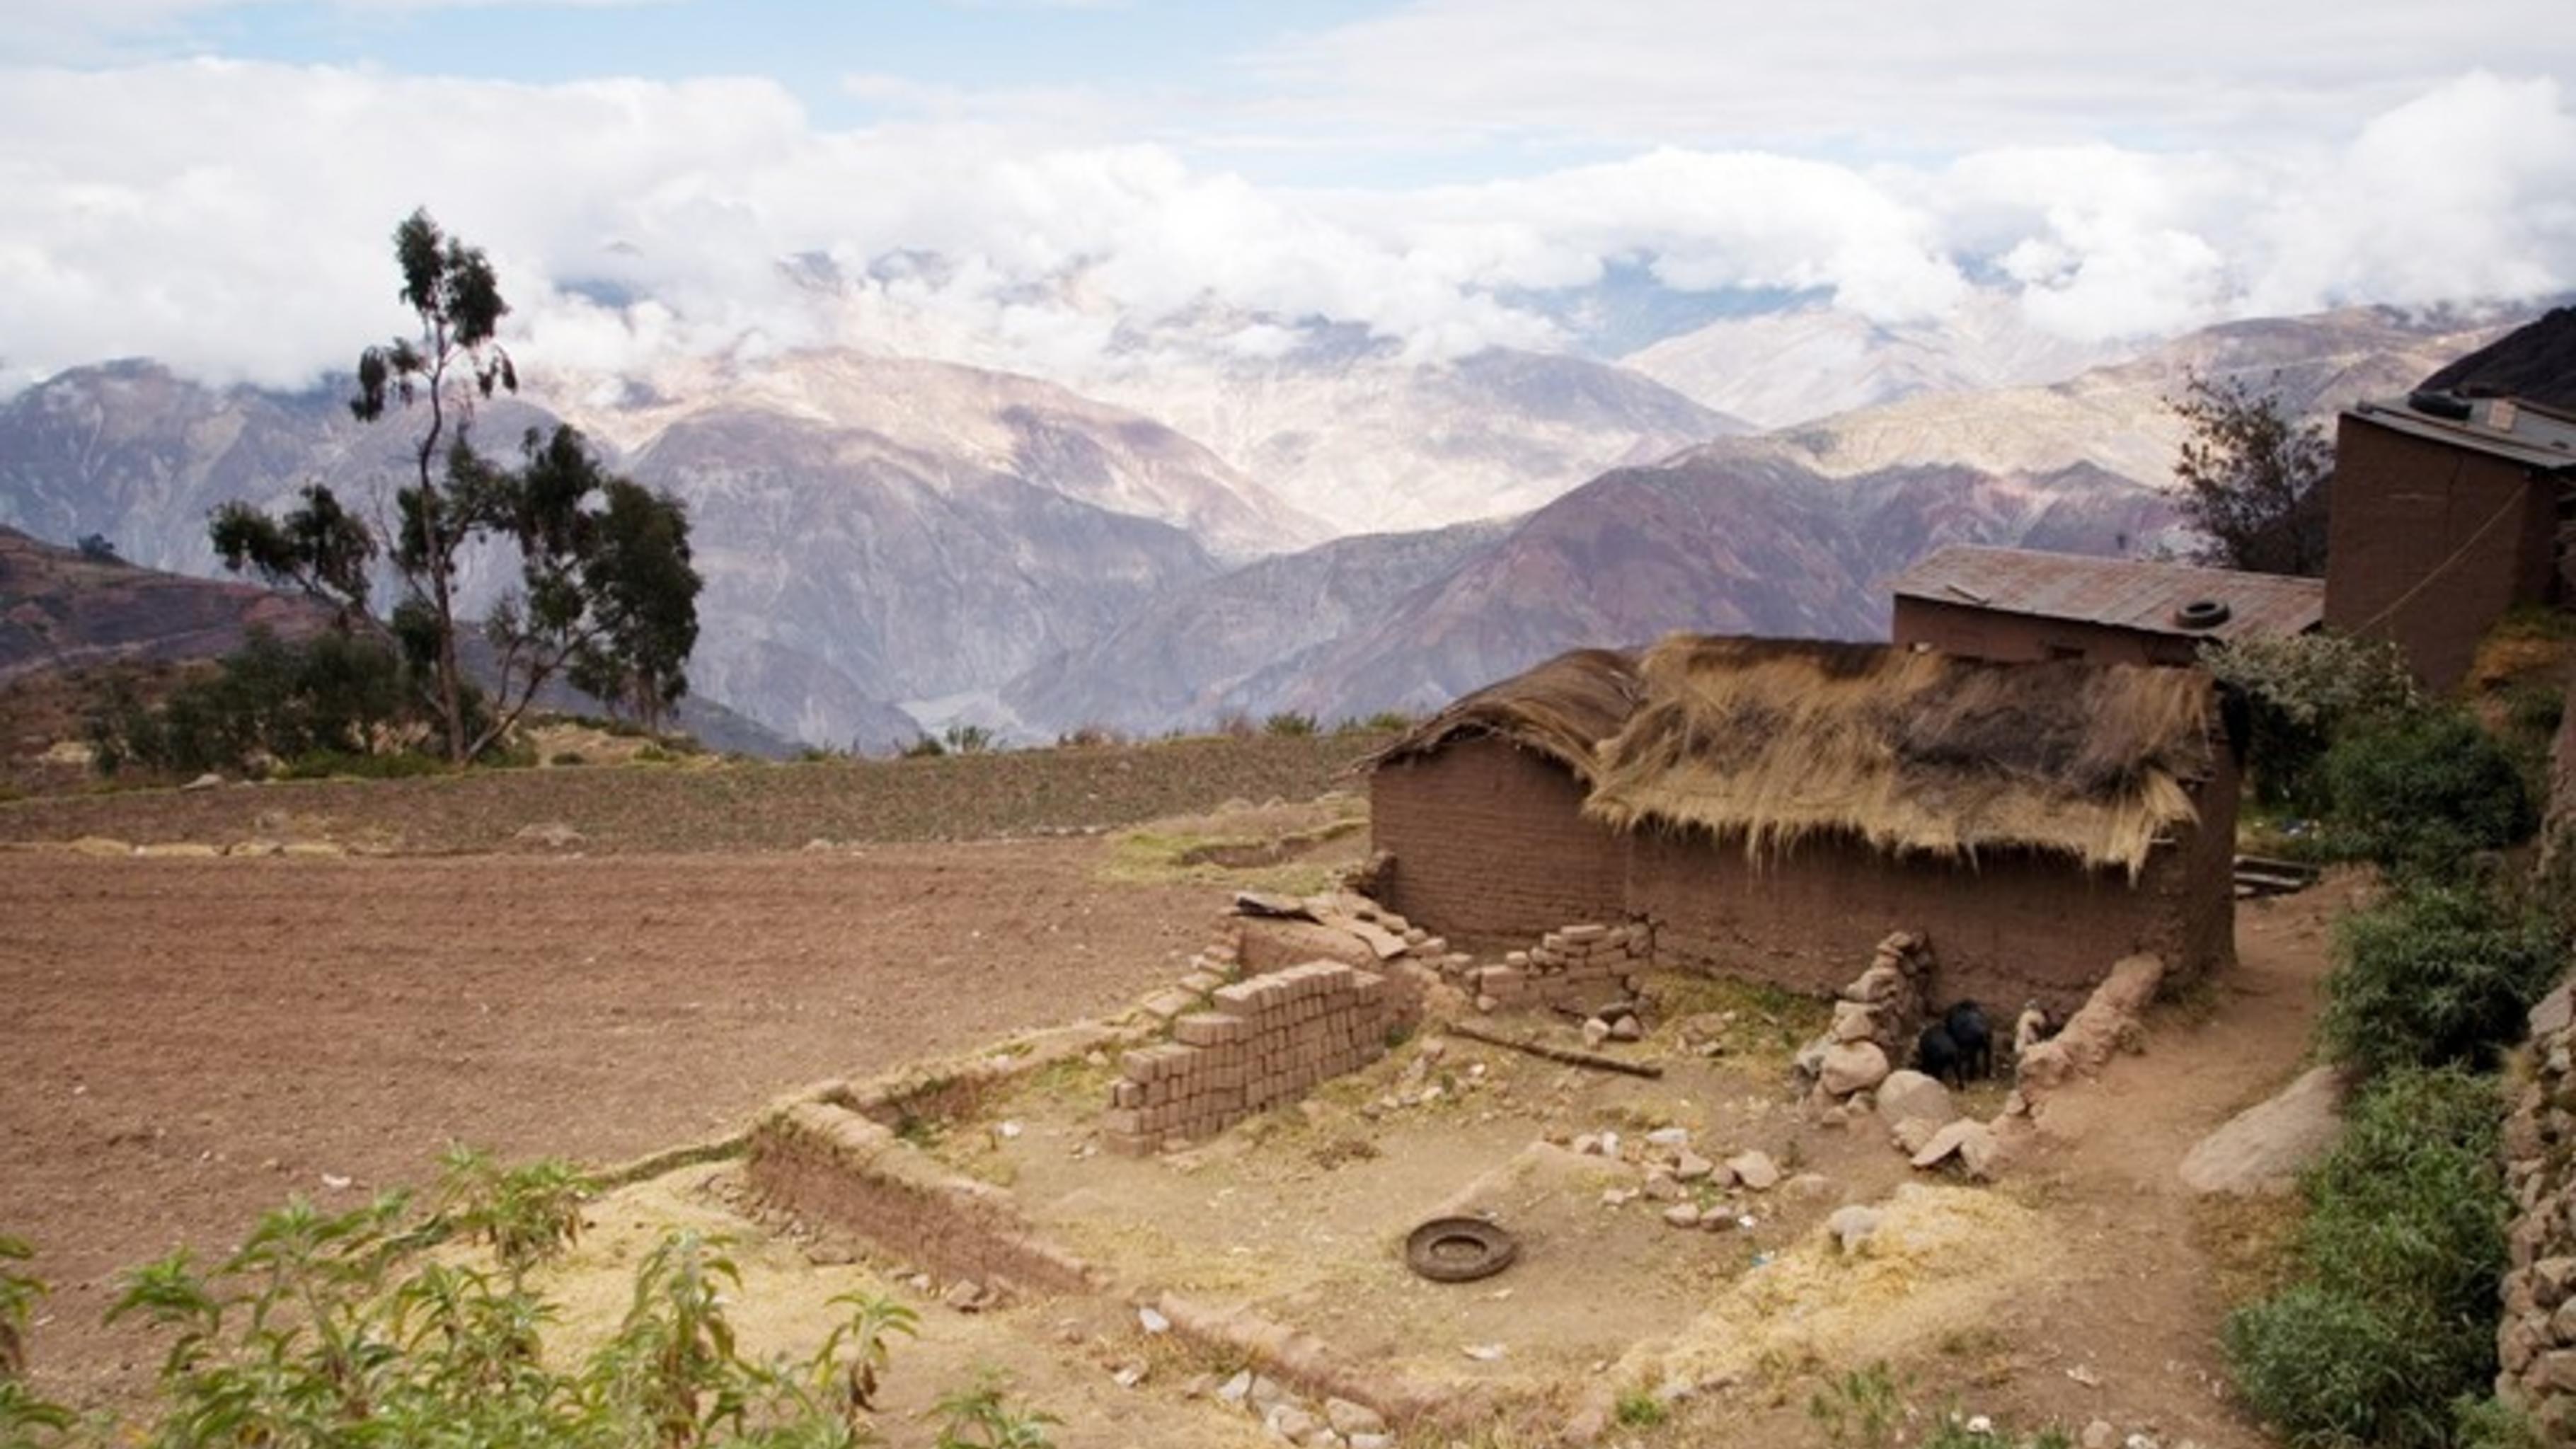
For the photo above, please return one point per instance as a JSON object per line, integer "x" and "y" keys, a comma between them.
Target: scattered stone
{"x": 1682, "y": 1215}
{"x": 1351, "y": 1420}
{"x": 1152, "y": 1320}
{"x": 207, "y": 781}
{"x": 1484, "y": 1352}
{"x": 1913, "y": 1134}
{"x": 1128, "y": 1376}
{"x": 2262, "y": 1150}
{"x": 1852, "y": 1067}
{"x": 1755, "y": 1170}
{"x": 1852, "y": 1226}
{"x": 1291, "y": 1423}
{"x": 1911, "y": 1094}
{"x": 99, "y": 845}
{"x": 1660, "y": 1186}
{"x": 1627, "y": 1028}
{"x": 2100, "y": 1435}
{"x": 1971, "y": 1141}
{"x": 965, "y": 1295}
{"x": 1691, "y": 1167}
{"x": 1595, "y": 1031}
{"x": 1810, "y": 1185}
{"x": 1236, "y": 1389}
{"x": 1669, "y": 1137}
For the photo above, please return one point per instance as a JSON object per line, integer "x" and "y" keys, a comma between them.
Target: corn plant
{"x": 982, "y": 1416}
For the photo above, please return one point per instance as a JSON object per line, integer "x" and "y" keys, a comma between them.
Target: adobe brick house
{"x": 1774, "y": 808}
{"x": 2447, "y": 514}
{"x": 2016, "y": 604}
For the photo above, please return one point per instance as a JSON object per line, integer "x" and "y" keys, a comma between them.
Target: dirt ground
{"x": 188, "y": 1042}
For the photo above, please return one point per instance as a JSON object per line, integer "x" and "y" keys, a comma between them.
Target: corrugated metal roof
{"x": 2122, "y": 593}
{"x": 2518, "y": 432}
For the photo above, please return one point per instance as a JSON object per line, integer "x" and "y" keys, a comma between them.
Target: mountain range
{"x": 892, "y": 544}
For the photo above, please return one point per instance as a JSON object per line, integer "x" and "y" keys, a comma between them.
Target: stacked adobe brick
{"x": 1263, "y": 1041}
{"x": 1577, "y": 966}
{"x": 2537, "y": 1337}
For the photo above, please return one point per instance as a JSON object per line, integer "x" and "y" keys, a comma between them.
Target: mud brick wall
{"x": 835, "y": 1166}
{"x": 1489, "y": 843}
{"x": 1581, "y": 966}
{"x": 2536, "y": 1339}
{"x": 1263, "y": 1041}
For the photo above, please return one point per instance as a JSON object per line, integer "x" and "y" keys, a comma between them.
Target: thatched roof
{"x": 1770, "y": 742}
{"x": 1563, "y": 709}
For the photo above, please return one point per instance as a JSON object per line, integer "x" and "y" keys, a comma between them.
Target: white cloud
{"x": 232, "y": 219}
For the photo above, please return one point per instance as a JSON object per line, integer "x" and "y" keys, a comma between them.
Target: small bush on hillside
{"x": 336, "y": 692}
{"x": 2491, "y": 1424}
{"x": 967, "y": 739}
{"x": 1288, "y": 724}
{"x": 2302, "y": 694}
{"x": 2393, "y": 1318}
{"x": 2424, "y": 793}
{"x": 2434, "y": 975}
{"x": 326, "y": 764}
{"x": 924, "y": 747}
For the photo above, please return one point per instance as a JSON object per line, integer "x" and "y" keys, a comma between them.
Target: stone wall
{"x": 2537, "y": 1338}
{"x": 1580, "y": 967}
{"x": 1263, "y": 1041}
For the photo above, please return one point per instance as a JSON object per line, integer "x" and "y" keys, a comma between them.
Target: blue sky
{"x": 209, "y": 181}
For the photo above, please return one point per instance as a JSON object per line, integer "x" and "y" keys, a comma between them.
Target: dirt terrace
{"x": 188, "y": 1042}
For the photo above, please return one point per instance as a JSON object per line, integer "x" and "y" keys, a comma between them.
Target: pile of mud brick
{"x": 1262, "y": 1041}
{"x": 1577, "y": 966}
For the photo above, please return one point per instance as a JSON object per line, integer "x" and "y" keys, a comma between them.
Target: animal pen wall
{"x": 1489, "y": 841}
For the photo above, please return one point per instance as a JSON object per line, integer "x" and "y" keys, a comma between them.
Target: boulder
{"x": 1755, "y": 1170}
{"x": 1971, "y": 1141}
{"x": 1850, "y": 1067}
{"x": 1852, "y": 1226}
{"x": 1911, "y": 1094}
{"x": 1348, "y": 1418}
{"x": 2261, "y": 1150}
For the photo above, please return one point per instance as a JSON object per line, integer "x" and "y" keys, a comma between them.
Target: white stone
{"x": 1912, "y": 1094}
{"x": 1151, "y": 1320}
{"x": 1852, "y": 1226}
{"x": 1852, "y": 1067}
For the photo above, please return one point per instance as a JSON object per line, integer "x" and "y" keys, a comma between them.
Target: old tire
{"x": 1459, "y": 1250}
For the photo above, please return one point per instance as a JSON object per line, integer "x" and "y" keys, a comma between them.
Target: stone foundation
{"x": 2537, "y": 1337}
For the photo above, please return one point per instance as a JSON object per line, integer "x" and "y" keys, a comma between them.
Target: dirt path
{"x": 188, "y": 1042}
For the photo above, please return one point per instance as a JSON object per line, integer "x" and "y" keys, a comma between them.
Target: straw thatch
{"x": 1772, "y": 742}
{"x": 1563, "y": 709}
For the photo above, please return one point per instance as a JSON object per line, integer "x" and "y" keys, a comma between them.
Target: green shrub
{"x": 566, "y": 759}
{"x": 2484, "y": 1423}
{"x": 2423, "y": 793}
{"x": 924, "y": 747}
{"x": 2433, "y": 975}
{"x": 2302, "y": 694}
{"x": 967, "y": 739}
{"x": 335, "y": 692}
{"x": 1289, "y": 724}
{"x": 1640, "y": 1409}
{"x": 324, "y": 764}
{"x": 2393, "y": 1316}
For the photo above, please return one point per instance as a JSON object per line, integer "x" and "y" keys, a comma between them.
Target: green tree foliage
{"x": 319, "y": 547}
{"x": 2388, "y": 1335}
{"x": 2304, "y": 692}
{"x": 2435, "y": 975}
{"x": 98, "y": 548}
{"x": 336, "y": 693}
{"x": 643, "y": 590}
{"x": 2250, "y": 474}
{"x": 2422, "y": 793}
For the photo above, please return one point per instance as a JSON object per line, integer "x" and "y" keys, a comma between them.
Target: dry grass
{"x": 1563, "y": 709}
{"x": 1275, "y": 847}
{"x": 1773, "y": 742}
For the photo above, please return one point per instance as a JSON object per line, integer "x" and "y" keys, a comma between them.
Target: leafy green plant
{"x": 19, "y": 1293}
{"x": 867, "y": 1334}
{"x": 524, "y": 1214}
{"x": 2393, "y": 1314}
{"x": 2436, "y": 974}
{"x": 2301, "y": 694}
{"x": 2423, "y": 793}
{"x": 982, "y": 1416}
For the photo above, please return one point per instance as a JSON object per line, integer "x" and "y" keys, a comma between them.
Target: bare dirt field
{"x": 188, "y": 1042}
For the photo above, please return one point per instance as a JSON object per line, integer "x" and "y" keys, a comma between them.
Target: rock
{"x": 2556, "y": 1011}
{"x": 1691, "y": 1167}
{"x": 1669, "y": 1137}
{"x": 1151, "y": 1320}
{"x": 1755, "y": 1170}
{"x": 1267, "y": 1394}
{"x": 1660, "y": 1186}
{"x": 1810, "y": 1185}
{"x": 1973, "y": 1142}
{"x": 1682, "y": 1215}
{"x": 1627, "y": 1028}
{"x": 2261, "y": 1150}
{"x": 965, "y": 1295}
{"x": 1372, "y": 1441}
{"x": 1236, "y": 1389}
{"x": 553, "y": 835}
{"x": 1128, "y": 1376}
{"x": 1852, "y": 1226}
{"x": 207, "y": 781}
{"x": 1351, "y": 1420}
{"x": 1914, "y": 1134}
{"x": 99, "y": 845}
{"x": 1852, "y": 1067}
{"x": 1911, "y": 1094}
{"x": 1595, "y": 1031}
{"x": 2100, "y": 1435}
{"x": 2552, "y": 1280}
{"x": 1291, "y": 1423}
{"x": 1854, "y": 1021}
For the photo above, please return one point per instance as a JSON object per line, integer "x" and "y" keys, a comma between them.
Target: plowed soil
{"x": 185, "y": 1043}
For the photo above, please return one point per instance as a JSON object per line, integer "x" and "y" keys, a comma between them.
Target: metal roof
{"x": 2519, "y": 432}
{"x": 2118, "y": 592}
